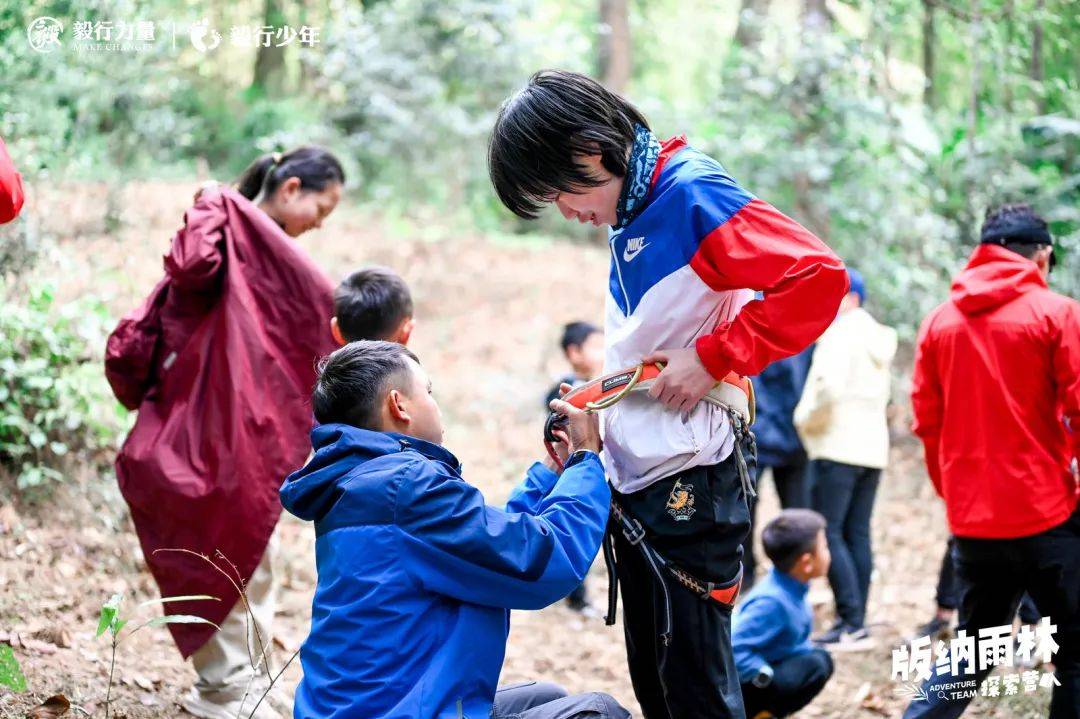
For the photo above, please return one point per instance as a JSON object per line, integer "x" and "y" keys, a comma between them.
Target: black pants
{"x": 791, "y": 487}
{"x": 993, "y": 574}
{"x": 948, "y": 593}
{"x": 844, "y": 495}
{"x": 796, "y": 681}
{"x": 693, "y": 676}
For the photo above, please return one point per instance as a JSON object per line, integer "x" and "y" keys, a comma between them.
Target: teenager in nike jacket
{"x": 689, "y": 249}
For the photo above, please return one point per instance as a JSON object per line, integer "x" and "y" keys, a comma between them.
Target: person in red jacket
{"x": 219, "y": 362}
{"x": 11, "y": 189}
{"x": 996, "y": 397}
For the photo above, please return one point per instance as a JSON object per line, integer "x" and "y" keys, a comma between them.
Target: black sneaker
{"x": 936, "y": 628}
{"x": 831, "y": 636}
{"x": 845, "y": 638}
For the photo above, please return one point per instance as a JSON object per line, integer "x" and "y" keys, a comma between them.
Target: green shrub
{"x": 54, "y": 401}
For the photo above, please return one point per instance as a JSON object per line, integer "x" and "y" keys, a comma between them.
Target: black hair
{"x": 541, "y": 132}
{"x": 371, "y": 303}
{"x": 575, "y": 334}
{"x": 999, "y": 219}
{"x": 315, "y": 166}
{"x": 354, "y": 379}
{"x": 791, "y": 534}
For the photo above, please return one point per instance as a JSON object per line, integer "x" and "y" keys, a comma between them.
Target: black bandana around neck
{"x": 644, "y": 155}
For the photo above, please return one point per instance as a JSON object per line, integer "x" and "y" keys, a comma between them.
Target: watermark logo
{"x": 113, "y": 35}
{"x": 928, "y": 672}
{"x": 44, "y": 34}
{"x": 108, "y": 35}
{"x": 199, "y": 32}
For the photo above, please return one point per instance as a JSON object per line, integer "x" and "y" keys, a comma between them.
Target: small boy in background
{"x": 373, "y": 304}
{"x": 583, "y": 346}
{"x": 780, "y": 670}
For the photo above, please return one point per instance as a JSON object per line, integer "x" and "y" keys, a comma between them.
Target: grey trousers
{"x": 543, "y": 700}
{"x": 224, "y": 663}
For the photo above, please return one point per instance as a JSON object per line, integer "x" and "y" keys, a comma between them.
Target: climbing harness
{"x": 735, "y": 395}
{"x": 723, "y": 594}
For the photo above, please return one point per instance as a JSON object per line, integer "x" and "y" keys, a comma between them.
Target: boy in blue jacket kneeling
{"x": 416, "y": 573}
{"x": 780, "y": 670}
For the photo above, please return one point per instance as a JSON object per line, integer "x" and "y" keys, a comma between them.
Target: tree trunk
{"x": 751, "y": 19}
{"x": 270, "y": 61}
{"x": 929, "y": 40}
{"x": 1037, "y": 53}
{"x": 816, "y": 21}
{"x": 975, "y": 39}
{"x": 614, "y": 51}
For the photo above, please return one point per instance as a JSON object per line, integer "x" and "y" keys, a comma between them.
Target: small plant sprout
{"x": 261, "y": 663}
{"x": 110, "y": 621}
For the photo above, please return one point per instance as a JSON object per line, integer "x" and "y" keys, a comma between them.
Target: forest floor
{"x": 489, "y": 310}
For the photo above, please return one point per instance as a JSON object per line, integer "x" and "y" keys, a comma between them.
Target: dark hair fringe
{"x": 315, "y": 166}
{"x": 371, "y": 303}
{"x": 541, "y": 132}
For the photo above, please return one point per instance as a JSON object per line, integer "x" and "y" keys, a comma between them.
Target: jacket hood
{"x": 993, "y": 277}
{"x": 311, "y": 491}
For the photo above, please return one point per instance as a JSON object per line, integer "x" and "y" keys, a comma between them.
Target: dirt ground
{"x": 489, "y": 311}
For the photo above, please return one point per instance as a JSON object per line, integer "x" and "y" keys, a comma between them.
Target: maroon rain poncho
{"x": 220, "y": 362}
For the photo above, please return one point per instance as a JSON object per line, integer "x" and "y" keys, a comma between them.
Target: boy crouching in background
{"x": 781, "y": 671}
{"x": 373, "y": 304}
{"x": 416, "y": 573}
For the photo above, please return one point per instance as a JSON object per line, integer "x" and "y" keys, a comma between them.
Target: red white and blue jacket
{"x": 684, "y": 273}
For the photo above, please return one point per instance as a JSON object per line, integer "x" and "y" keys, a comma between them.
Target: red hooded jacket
{"x": 11, "y": 189}
{"x": 996, "y": 389}
{"x": 220, "y": 362}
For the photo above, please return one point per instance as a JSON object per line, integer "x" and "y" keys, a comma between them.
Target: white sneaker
{"x": 219, "y": 707}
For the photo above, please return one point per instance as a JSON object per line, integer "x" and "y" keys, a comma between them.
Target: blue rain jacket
{"x": 417, "y": 574}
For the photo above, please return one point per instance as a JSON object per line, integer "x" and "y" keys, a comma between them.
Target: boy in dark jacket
{"x": 416, "y": 573}
{"x": 583, "y": 346}
{"x": 781, "y": 671}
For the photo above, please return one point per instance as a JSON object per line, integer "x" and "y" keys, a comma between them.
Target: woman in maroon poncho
{"x": 219, "y": 361}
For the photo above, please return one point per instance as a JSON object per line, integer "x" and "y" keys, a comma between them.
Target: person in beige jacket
{"x": 841, "y": 421}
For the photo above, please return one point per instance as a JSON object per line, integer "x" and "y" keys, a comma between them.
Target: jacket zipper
{"x": 618, "y": 273}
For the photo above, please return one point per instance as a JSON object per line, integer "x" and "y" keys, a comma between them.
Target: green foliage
{"x": 898, "y": 189}
{"x": 414, "y": 86}
{"x": 829, "y": 124}
{"x": 110, "y": 620}
{"x": 54, "y": 401}
{"x": 11, "y": 674}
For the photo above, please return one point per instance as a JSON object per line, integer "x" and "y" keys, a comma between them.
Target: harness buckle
{"x": 633, "y": 531}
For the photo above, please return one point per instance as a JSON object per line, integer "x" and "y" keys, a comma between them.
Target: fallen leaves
{"x": 25, "y": 641}
{"x": 54, "y": 706}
